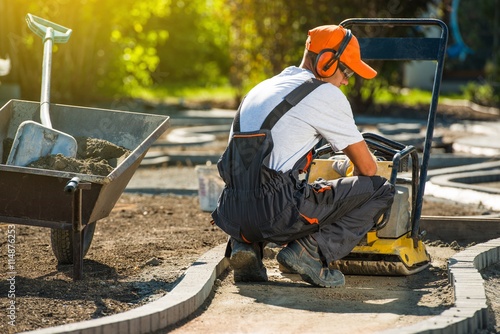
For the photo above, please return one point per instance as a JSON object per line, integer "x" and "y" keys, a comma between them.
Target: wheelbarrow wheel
{"x": 62, "y": 243}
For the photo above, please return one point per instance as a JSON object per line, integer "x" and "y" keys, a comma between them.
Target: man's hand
{"x": 343, "y": 167}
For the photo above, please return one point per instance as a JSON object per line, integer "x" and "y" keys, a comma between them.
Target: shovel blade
{"x": 34, "y": 141}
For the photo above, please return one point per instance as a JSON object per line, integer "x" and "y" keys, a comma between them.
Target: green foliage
{"x": 109, "y": 50}
{"x": 139, "y": 44}
{"x": 127, "y": 47}
{"x": 483, "y": 94}
{"x": 196, "y": 48}
{"x": 478, "y": 23}
{"x": 181, "y": 92}
{"x": 267, "y": 36}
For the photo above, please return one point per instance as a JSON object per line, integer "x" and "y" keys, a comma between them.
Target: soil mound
{"x": 94, "y": 157}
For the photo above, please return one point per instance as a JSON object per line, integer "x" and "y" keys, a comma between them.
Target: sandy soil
{"x": 491, "y": 276}
{"x": 365, "y": 305}
{"x": 137, "y": 255}
{"x": 382, "y": 302}
{"x": 142, "y": 249}
{"x": 94, "y": 157}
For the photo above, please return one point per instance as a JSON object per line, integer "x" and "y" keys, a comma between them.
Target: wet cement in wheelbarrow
{"x": 94, "y": 157}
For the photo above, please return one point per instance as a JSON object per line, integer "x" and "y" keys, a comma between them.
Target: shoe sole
{"x": 287, "y": 259}
{"x": 243, "y": 259}
{"x": 247, "y": 268}
{"x": 285, "y": 270}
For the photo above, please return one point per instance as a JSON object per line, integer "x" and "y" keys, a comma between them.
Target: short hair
{"x": 310, "y": 57}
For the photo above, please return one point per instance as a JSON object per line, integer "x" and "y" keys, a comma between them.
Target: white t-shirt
{"x": 324, "y": 113}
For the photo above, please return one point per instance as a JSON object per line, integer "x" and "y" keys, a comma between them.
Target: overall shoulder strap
{"x": 291, "y": 100}
{"x": 236, "y": 122}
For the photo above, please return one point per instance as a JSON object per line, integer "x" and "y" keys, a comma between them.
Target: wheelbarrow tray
{"x": 33, "y": 196}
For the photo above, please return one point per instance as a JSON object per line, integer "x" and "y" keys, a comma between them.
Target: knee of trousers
{"x": 383, "y": 190}
{"x": 380, "y": 182}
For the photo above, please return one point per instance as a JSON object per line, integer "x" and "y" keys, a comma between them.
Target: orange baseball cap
{"x": 330, "y": 37}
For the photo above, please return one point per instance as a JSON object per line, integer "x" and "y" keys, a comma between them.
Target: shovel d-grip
{"x": 75, "y": 188}
{"x": 50, "y": 33}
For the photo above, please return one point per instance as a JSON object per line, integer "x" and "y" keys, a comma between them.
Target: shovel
{"x": 34, "y": 140}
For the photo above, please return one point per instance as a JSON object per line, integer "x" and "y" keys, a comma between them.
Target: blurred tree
{"x": 475, "y": 27}
{"x": 118, "y": 46}
{"x": 196, "y": 49}
{"x": 268, "y": 36}
{"x": 108, "y": 52}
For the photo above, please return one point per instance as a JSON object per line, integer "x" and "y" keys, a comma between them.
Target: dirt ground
{"x": 366, "y": 304}
{"x": 121, "y": 269}
{"x": 140, "y": 252}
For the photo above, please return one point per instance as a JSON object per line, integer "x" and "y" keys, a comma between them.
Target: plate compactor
{"x": 394, "y": 246}
{"x": 390, "y": 248}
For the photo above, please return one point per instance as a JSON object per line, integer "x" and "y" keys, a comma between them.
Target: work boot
{"x": 302, "y": 257}
{"x": 246, "y": 261}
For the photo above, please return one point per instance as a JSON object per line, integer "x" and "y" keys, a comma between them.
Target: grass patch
{"x": 186, "y": 93}
{"x": 410, "y": 97}
{"x": 172, "y": 92}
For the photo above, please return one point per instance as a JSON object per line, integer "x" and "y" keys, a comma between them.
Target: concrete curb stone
{"x": 468, "y": 314}
{"x": 175, "y": 306}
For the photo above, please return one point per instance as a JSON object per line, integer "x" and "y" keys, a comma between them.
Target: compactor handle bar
{"x": 409, "y": 48}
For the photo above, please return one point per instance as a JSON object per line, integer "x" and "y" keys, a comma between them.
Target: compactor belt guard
{"x": 382, "y": 256}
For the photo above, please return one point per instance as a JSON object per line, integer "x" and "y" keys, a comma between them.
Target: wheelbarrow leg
{"x": 77, "y": 236}
{"x": 75, "y": 187}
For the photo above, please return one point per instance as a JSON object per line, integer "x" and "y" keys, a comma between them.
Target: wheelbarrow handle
{"x": 72, "y": 185}
{"x": 41, "y": 26}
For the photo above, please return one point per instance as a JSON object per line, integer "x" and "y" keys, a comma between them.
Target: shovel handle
{"x": 50, "y": 33}
{"x": 40, "y": 26}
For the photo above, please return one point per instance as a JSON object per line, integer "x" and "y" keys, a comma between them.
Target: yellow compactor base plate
{"x": 388, "y": 257}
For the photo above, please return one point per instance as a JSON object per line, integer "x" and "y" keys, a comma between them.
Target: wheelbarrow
{"x": 39, "y": 197}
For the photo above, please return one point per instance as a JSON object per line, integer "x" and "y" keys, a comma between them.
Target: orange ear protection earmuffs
{"x": 327, "y": 60}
